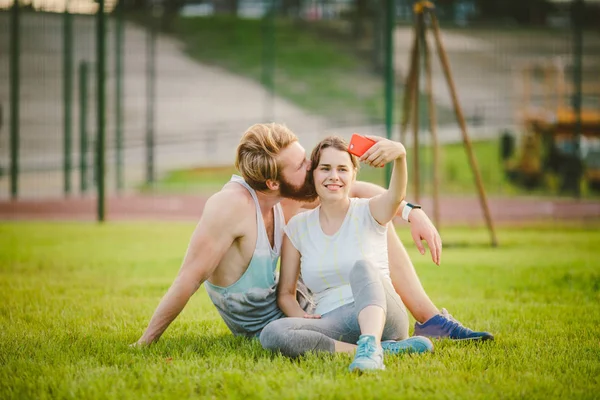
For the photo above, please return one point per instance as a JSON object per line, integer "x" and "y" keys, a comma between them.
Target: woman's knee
{"x": 366, "y": 284}
{"x": 273, "y": 336}
{"x": 361, "y": 271}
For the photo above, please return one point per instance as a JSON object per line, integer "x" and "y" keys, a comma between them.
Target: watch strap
{"x": 407, "y": 209}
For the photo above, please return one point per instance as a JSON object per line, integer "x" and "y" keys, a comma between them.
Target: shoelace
{"x": 365, "y": 347}
{"x": 453, "y": 326}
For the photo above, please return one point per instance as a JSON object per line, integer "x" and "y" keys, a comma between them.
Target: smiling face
{"x": 333, "y": 169}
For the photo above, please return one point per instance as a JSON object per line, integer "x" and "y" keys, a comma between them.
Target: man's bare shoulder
{"x": 232, "y": 203}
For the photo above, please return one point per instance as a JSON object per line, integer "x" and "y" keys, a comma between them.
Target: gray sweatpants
{"x": 296, "y": 336}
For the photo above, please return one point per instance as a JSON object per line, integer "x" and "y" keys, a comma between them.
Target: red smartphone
{"x": 359, "y": 144}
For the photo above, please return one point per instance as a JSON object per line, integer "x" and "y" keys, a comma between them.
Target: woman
{"x": 340, "y": 249}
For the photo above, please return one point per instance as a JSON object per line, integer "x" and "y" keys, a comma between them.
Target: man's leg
{"x": 430, "y": 321}
{"x": 406, "y": 282}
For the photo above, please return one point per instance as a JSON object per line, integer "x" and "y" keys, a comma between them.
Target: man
{"x": 235, "y": 246}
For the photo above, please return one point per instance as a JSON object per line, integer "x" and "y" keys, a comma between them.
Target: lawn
{"x": 75, "y": 295}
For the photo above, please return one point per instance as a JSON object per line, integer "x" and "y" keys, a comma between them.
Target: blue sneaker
{"x": 445, "y": 326}
{"x": 369, "y": 356}
{"x": 415, "y": 344}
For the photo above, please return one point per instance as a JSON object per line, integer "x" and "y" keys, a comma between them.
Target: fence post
{"x": 67, "y": 96}
{"x": 577, "y": 167}
{"x": 389, "y": 77}
{"x": 101, "y": 111}
{"x": 119, "y": 94}
{"x": 15, "y": 50}
{"x": 150, "y": 95}
{"x": 268, "y": 60}
{"x": 83, "y": 139}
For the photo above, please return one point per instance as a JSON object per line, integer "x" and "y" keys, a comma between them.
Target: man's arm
{"x": 212, "y": 237}
{"x": 292, "y": 207}
{"x": 421, "y": 227}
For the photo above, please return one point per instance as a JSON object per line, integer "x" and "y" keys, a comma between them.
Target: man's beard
{"x": 305, "y": 192}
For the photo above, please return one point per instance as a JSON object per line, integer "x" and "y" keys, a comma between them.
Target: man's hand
{"x": 421, "y": 228}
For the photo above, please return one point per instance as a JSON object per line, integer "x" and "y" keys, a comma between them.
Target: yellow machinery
{"x": 549, "y": 126}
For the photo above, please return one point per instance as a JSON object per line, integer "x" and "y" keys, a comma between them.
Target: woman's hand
{"x": 382, "y": 152}
{"x": 312, "y": 316}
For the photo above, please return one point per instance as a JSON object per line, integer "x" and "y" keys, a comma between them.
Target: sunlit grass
{"x": 74, "y": 296}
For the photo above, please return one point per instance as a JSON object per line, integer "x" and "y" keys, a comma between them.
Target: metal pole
{"x": 389, "y": 78}
{"x": 268, "y": 62}
{"x": 409, "y": 87}
{"x": 415, "y": 113}
{"x": 433, "y": 129}
{"x": 150, "y": 97}
{"x": 463, "y": 126}
{"x": 83, "y": 140}
{"x": 119, "y": 36}
{"x": 67, "y": 96}
{"x": 15, "y": 50}
{"x": 100, "y": 76}
{"x": 578, "y": 9}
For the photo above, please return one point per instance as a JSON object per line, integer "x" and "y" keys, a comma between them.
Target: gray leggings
{"x": 296, "y": 336}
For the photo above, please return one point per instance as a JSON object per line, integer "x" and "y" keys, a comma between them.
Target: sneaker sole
{"x": 475, "y": 339}
{"x": 413, "y": 345}
{"x": 362, "y": 371}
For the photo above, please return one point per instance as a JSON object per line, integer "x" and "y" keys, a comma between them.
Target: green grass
{"x": 73, "y": 296}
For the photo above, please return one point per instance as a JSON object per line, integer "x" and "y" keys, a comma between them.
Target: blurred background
{"x": 182, "y": 80}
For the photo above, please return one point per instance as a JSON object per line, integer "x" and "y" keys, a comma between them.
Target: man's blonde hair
{"x": 256, "y": 157}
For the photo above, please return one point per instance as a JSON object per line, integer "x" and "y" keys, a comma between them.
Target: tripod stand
{"x": 411, "y": 103}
